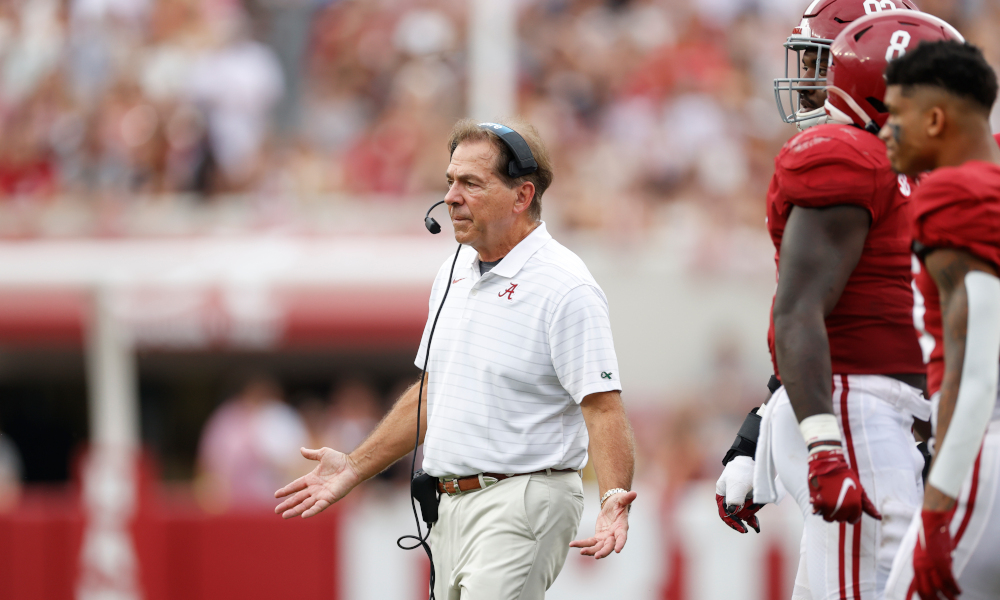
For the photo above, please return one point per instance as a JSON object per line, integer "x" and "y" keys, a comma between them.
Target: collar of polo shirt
{"x": 518, "y": 255}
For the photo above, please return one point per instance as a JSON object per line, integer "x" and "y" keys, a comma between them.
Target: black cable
{"x": 421, "y": 539}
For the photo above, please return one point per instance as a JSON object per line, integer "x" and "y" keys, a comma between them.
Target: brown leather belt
{"x": 453, "y": 487}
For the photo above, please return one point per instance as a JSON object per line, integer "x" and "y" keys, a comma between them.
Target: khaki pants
{"x": 508, "y": 541}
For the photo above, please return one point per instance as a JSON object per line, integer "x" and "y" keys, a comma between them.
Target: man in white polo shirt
{"x": 522, "y": 378}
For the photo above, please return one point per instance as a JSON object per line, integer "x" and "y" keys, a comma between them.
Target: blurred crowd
{"x": 647, "y": 104}
{"x": 109, "y": 101}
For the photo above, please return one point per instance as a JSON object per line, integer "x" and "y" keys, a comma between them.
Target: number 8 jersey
{"x": 856, "y": 88}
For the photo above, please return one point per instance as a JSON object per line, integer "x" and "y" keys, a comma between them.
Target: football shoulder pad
{"x": 959, "y": 207}
{"x": 833, "y": 164}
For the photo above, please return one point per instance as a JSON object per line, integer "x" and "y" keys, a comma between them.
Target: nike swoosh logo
{"x": 454, "y": 281}
{"x": 844, "y": 488}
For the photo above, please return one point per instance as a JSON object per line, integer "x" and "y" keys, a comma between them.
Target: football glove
{"x": 834, "y": 489}
{"x": 734, "y": 495}
{"x": 932, "y": 557}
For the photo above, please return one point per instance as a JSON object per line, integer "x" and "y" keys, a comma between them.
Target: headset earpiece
{"x": 524, "y": 161}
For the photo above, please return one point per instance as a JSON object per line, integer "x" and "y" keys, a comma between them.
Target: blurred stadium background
{"x": 211, "y": 253}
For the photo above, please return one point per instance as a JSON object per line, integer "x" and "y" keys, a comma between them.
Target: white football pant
{"x": 839, "y": 561}
{"x": 975, "y": 528}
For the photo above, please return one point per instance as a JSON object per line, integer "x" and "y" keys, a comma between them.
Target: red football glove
{"x": 932, "y": 558}
{"x": 735, "y": 519}
{"x": 835, "y": 491}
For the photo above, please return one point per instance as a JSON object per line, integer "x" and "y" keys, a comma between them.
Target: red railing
{"x": 182, "y": 552}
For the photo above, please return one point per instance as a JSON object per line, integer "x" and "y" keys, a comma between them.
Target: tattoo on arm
{"x": 949, "y": 269}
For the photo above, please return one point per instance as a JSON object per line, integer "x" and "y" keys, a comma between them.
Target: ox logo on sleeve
{"x": 509, "y": 292}
{"x": 605, "y": 375}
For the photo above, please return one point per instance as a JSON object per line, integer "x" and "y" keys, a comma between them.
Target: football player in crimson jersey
{"x": 807, "y": 50}
{"x": 939, "y": 98}
{"x": 842, "y": 321}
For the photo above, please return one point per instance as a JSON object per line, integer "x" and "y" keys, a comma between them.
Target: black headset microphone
{"x": 424, "y": 487}
{"x": 429, "y": 222}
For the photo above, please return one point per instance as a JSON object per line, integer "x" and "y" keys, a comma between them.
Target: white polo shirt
{"x": 515, "y": 352}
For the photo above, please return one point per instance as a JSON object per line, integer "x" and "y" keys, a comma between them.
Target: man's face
{"x": 481, "y": 206}
{"x": 812, "y": 99}
{"x": 904, "y": 133}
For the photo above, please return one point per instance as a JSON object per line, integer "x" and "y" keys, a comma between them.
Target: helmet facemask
{"x": 787, "y": 90}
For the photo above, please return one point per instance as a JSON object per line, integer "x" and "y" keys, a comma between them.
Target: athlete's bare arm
{"x": 338, "y": 473}
{"x": 819, "y": 250}
{"x": 948, "y": 268}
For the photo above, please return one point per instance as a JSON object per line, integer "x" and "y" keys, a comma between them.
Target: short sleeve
{"x": 949, "y": 215}
{"x": 822, "y": 171}
{"x": 583, "y": 352}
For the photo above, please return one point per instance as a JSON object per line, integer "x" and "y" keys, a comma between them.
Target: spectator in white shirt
{"x": 522, "y": 378}
{"x": 248, "y": 447}
{"x": 237, "y": 86}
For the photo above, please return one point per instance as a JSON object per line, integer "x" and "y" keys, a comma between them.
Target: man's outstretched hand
{"x": 311, "y": 494}
{"x": 611, "y": 530}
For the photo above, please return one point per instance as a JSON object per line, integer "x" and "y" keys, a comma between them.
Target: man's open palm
{"x": 611, "y": 530}
{"x": 312, "y": 493}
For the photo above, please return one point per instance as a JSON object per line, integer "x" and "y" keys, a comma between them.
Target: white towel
{"x": 766, "y": 487}
{"x": 908, "y": 399}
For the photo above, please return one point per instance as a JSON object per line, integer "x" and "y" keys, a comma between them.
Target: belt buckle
{"x": 458, "y": 490}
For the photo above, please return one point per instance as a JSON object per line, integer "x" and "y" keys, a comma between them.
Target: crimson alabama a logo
{"x": 509, "y": 292}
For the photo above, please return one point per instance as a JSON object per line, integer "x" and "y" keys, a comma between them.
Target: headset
{"x": 423, "y": 487}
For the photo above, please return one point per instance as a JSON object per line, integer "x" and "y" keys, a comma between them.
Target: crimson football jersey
{"x": 871, "y": 327}
{"x": 954, "y": 207}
